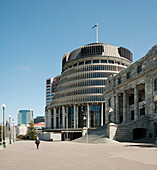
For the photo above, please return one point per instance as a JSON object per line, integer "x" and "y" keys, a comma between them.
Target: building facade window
{"x": 128, "y": 75}
{"x": 110, "y": 61}
{"x": 139, "y": 69}
{"x": 95, "y": 61}
{"x": 155, "y": 85}
{"x": 75, "y": 65}
{"x": 103, "y": 61}
{"x": 88, "y": 62}
{"x": 155, "y": 107}
{"x": 119, "y": 80}
{"x": 48, "y": 81}
{"x": 81, "y": 63}
{"x": 109, "y": 102}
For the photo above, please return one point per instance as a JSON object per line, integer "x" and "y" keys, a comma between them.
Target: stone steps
{"x": 98, "y": 135}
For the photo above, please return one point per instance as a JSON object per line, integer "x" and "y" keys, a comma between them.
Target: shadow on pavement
{"x": 142, "y": 146}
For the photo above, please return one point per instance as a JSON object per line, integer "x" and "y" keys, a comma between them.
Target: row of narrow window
{"x": 81, "y": 99}
{"x": 128, "y": 75}
{"x": 95, "y": 62}
{"x": 92, "y": 68}
{"x": 82, "y": 83}
{"x": 86, "y": 76}
{"x": 80, "y": 91}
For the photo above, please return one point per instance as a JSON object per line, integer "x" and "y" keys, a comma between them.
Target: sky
{"x": 35, "y": 34}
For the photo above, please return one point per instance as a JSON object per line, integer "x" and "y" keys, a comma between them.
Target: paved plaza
{"x": 23, "y": 155}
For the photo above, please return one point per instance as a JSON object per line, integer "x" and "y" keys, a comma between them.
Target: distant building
{"x": 39, "y": 119}
{"x": 39, "y": 126}
{"x": 21, "y": 130}
{"x": 48, "y": 90}
{"x": 25, "y": 116}
{"x": 51, "y": 85}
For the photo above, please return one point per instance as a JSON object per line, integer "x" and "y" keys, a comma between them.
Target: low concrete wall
{"x": 124, "y": 132}
{"x": 49, "y": 136}
{"x": 111, "y": 131}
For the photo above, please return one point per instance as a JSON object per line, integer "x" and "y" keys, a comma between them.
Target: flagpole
{"x": 96, "y": 33}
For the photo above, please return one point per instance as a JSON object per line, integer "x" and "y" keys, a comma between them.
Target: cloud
{"x": 23, "y": 68}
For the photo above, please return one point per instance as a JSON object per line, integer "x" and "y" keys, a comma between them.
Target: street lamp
{"x": 13, "y": 129}
{"x": 143, "y": 107}
{"x": 9, "y": 129}
{"x": 110, "y": 114}
{"x": 84, "y": 119}
{"x": 4, "y": 145}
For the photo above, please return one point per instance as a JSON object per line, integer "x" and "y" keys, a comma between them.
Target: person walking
{"x": 37, "y": 142}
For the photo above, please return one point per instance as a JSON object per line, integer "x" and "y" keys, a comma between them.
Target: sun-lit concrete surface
{"x": 23, "y": 155}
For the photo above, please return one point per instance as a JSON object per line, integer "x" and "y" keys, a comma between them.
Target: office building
{"x": 51, "y": 85}
{"x": 39, "y": 119}
{"x": 25, "y": 116}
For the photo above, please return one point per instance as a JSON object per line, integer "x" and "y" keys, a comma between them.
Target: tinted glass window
{"x": 88, "y": 62}
{"x": 111, "y": 62}
{"x": 81, "y": 63}
{"x": 95, "y": 61}
{"x": 48, "y": 81}
{"x": 103, "y": 61}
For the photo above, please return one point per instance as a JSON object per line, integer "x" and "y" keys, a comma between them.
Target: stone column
{"x": 46, "y": 118}
{"x": 114, "y": 109}
{"x": 136, "y": 104}
{"x": 49, "y": 119}
{"x": 117, "y": 109}
{"x": 74, "y": 116}
{"x": 54, "y": 117}
{"x": 128, "y": 109}
{"x": 59, "y": 125}
{"x": 106, "y": 112}
{"x": 66, "y": 114}
{"x": 88, "y": 116}
{"x": 149, "y": 96}
{"x": 102, "y": 112}
{"x": 63, "y": 116}
{"x": 124, "y": 107}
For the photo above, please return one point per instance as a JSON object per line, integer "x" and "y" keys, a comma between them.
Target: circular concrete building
{"x": 79, "y": 100}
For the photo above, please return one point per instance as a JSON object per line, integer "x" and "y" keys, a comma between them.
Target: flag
{"x": 94, "y": 26}
{"x": 7, "y": 124}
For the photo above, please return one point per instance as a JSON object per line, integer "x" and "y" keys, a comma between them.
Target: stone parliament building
{"x": 131, "y": 100}
{"x": 99, "y": 87}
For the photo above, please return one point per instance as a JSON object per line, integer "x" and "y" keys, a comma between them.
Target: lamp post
{"x": 13, "y": 129}
{"x": 110, "y": 114}
{"x": 9, "y": 129}
{"x": 84, "y": 119}
{"x": 4, "y": 145}
{"x": 143, "y": 107}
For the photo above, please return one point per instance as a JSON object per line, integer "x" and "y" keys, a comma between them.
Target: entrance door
{"x": 139, "y": 133}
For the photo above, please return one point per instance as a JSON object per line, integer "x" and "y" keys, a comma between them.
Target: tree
{"x": 31, "y": 132}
